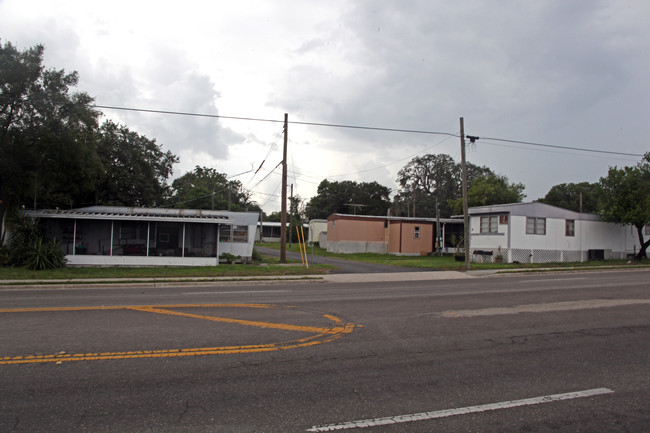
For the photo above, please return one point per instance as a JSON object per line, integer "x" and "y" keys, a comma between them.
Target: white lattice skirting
{"x": 519, "y": 255}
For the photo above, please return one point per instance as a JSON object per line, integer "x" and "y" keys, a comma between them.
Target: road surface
{"x": 526, "y": 353}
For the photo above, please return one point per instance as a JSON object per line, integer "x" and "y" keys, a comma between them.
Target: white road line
{"x": 546, "y": 307}
{"x": 552, "y": 280}
{"x": 236, "y": 292}
{"x": 459, "y": 411}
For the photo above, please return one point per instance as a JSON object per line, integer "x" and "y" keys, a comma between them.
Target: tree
{"x": 136, "y": 169}
{"x": 571, "y": 195}
{"x": 432, "y": 180}
{"x": 205, "y": 188}
{"x": 47, "y": 133}
{"x": 490, "y": 190}
{"x": 626, "y": 199}
{"x": 349, "y": 197}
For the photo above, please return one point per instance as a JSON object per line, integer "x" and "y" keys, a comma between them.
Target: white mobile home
{"x": 540, "y": 233}
{"x": 123, "y": 236}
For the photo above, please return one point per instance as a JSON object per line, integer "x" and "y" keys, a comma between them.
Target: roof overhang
{"x": 107, "y": 213}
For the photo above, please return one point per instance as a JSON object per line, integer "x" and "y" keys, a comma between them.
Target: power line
{"x": 367, "y": 128}
{"x": 581, "y": 149}
{"x": 335, "y": 125}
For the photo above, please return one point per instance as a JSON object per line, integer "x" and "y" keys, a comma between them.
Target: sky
{"x": 555, "y": 72}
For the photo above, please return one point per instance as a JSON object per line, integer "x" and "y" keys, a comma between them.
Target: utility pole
{"x": 464, "y": 170}
{"x": 283, "y": 218}
{"x": 438, "y": 247}
{"x": 291, "y": 216}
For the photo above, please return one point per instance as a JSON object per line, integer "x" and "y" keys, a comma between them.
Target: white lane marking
{"x": 552, "y": 280}
{"x": 459, "y": 411}
{"x": 236, "y": 292}
{"x": 545, "y": 307}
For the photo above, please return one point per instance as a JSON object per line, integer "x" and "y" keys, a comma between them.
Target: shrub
{"x": 28, "y": 247}
{"x": 44, "y": 255}
{"x": 257, "y": 257}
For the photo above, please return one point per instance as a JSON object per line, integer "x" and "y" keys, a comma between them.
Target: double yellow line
{"x": 320, "y": 334}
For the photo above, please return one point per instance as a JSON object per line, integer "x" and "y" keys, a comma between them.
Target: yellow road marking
{"x": 283, "y": 326}
{"x": 321, "y": 335}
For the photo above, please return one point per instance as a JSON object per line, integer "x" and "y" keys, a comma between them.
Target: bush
{"x": 44, "y": 255}
{"x": 4, "y": 256}
{"x": 257, "y": 257}
{"x": 229, "y": 258}
{"x": 28, "y": 247}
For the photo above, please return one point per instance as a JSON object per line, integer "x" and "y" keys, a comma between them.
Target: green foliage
{"x": 135, "y": 168}
{"x": 433, "y": 179}
{"x": 256, "y": 257}
{"x": 205, "y": 188}
{"x": 53, "y": 152}
{"x": 625, "y": 198}
{"x": 229, "y": 258}
{"x": 567, "y": 196}
{"x": 44, "y": 255}
{"x": 348, "y": 197}
{"x": 490, "y": 190}
{"x": 28, "y": 248}
{"x": 4, "y": 256}
{"x": 47, "y": 133}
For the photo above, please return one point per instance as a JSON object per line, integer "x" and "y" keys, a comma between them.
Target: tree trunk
{"x": 644, "y": 245}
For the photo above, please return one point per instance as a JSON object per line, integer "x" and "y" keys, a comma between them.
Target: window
{"x": 224, "y": 233}
{"x": 570, "y": 228}
{"x": 535, "y": 226}
{"x": 240, "y": 234}
{"x": 416, "y": 232}
{"x": 489, "y": 224}
{"x": 647, "y": 229}
{"x": 503, "y": 219}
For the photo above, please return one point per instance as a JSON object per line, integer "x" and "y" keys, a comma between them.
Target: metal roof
{"x": 393, "y": 218}
{"x": 533, "y": 209}
{"x": 142, "y": 214}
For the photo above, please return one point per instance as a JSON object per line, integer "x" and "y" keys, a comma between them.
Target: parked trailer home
{"x": 540, "y": 233}
{"x": 123, "y": 236}
{"x": 348, "y": 234}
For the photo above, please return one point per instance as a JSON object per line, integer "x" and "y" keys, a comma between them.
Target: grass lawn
{"x": 270, "y": 266}
{"x": 448, "y": 262}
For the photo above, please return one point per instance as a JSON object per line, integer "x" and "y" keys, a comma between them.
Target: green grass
{"x": 448, "y": 262}
{"x": 270, "y": 266}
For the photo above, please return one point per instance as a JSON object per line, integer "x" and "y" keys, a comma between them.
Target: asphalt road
{"x": 527, "y": 353}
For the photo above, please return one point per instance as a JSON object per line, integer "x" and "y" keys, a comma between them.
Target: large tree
{"x": 205, "y": 188}
{"x": 349, "y": 197}
{"x": 47, "y": 133}
{"x": 136, "y": 169}
{"x": 490, "y": 190}
{"x": 626, "y": 198}
{"x": 430, "y": 180}
{"x": 583, "y": 196}
{"x": 53, "y": 153}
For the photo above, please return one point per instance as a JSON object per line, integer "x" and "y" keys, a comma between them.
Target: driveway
{"x": 343, "y": 266}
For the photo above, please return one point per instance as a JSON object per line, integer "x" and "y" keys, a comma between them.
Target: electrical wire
{"x": 580, "y": 149}
{"x": 370, "y": 128}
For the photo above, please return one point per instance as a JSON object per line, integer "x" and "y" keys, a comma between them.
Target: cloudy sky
{"x": 556, "y": 72}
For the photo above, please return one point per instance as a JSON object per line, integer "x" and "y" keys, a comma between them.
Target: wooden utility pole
{"x": 465, "y": 214}
{"x": 283, "y": 218}
{"x": 291, "y": 216}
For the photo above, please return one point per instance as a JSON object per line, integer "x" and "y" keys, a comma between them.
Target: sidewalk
{"x": 207, "y": 281}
